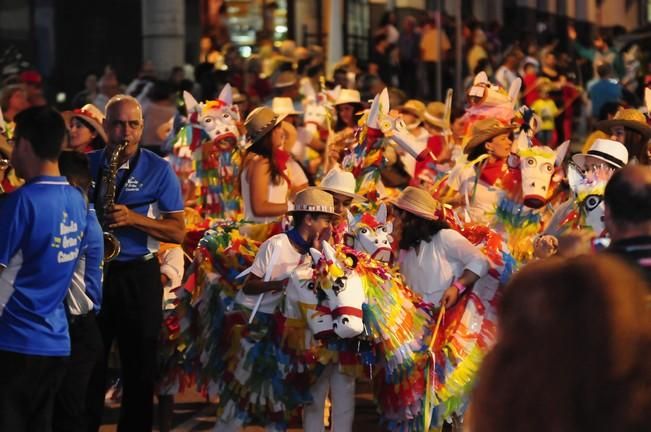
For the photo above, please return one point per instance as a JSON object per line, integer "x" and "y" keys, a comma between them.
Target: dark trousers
{"x": 86, "y": 350}
{"x": 132, "y": 314}
{"x": 430, "y": 75}
{"x": 409, "y": 78}
{"x": 28, "y": 385}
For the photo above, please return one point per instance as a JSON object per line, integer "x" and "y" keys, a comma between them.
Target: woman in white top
{"x": 437, "y": 262}
{"x": 265, "y": 185}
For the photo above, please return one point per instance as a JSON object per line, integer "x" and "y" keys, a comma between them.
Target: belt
{"x": 141, "y": 259}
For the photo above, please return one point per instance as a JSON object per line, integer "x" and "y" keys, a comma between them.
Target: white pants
{"x": 342, "y": 395}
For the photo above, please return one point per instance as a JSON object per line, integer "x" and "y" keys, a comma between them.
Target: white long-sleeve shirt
{"x": 438, "y": 263}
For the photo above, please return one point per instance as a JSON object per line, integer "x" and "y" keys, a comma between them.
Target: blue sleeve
{"x": 94, "y": 251}
{"x": 14, "y": 219}
{"x": 169, "y": 192}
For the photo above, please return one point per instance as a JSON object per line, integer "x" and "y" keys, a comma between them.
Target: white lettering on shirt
{"x": 63, "y": 257}
{"x": 67, "y": 229}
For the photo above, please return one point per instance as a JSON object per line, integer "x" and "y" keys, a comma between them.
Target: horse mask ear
{"x": 226, "y": 95}
{"x": 381, "y": 215}
{"x": 316, "y": 255}
{"x": 561, "y": 150}
{"x": 190, "y": 102}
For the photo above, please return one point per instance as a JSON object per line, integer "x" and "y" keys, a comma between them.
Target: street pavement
{"x": 193, "y": 413}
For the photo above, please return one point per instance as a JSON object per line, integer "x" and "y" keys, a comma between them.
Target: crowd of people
{"x": 272, "y": 235}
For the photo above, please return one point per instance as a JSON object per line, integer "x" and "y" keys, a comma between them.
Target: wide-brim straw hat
{"x": 434, "y": 115}
{"x": 340, "y": 182}
{"x": 285, "y": 79}
{"x": 313, "y": 200}
{"x": 612, "y": 152}
{"x": 91, "y": 116}
{"x": 485, "y": 130}
{"x": 260, "y": 122}
{"x": 348, "y": 96}
{"x": 629, "y": 118}
{"x": 417, "y": 202}
{"x": 284, "y": 105}
{"x": 413, "y": 107}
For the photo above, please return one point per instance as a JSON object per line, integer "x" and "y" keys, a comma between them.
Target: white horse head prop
{"x": 537, "y": 167}
{"x": 394, "y": 128}
{"x": 218, "y": 118}
{"x": 589, "y": 188}
{"x": 301, "y": 299}
{"x": 316, "y": 110}
{"x": 488, "y": 100}
{"x": 371, "y": 234}
{"x": 344, "y": 290}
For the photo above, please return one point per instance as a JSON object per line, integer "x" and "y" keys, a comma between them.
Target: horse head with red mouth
{"x": 218, "y": 119}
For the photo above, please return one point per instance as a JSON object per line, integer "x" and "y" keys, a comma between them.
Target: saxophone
{"x": 111, "y": 242}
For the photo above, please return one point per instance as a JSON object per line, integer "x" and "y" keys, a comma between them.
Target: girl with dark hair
{"x": 264, "y": 181}
{"x": 86, "y": 130}
{"x": 630, "y": 128}
{"x": 573, "y": 350}
{"x": 437, "y": 262}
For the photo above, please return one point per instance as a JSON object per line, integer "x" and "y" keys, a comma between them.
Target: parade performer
{"x": 341, "y": 185}
{"x": 437, "y": 262}
{"x": 252, "y": 389}
{"x": 482, "y": 178}
{"x": 588, "y": 174}
{"x": 629, "y": 127}
{"x": 83, "y": 303}
{"x": 86, "y": 131}
{"x": 136, "y": 195}
{"x": 211, "y": 140}
{"x": 264, "y": 181}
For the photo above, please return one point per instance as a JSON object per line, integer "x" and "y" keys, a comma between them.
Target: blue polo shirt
{"x": 147, "y": 185}
{"x": 41, "y": 231}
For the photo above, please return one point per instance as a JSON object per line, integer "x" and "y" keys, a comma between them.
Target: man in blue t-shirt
{"x": 41, "y": 231}
{"x": 83, "y": 302}
{"x": 605, "y": 90}
{"x": 148, "y": 209}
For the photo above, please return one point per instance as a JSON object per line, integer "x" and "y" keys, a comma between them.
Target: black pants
{"x": 432, "y": 81}
{"x": 86, "y": 350}
{"x": 409, "y": 78}
{"x": 132, "y": 313}
{"x": 28, "y": 385}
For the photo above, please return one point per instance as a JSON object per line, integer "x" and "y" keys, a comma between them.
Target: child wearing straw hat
{"x": 629, "y": 126}
{"x": 437, "y": 262}
{"x": 246, "y": 396}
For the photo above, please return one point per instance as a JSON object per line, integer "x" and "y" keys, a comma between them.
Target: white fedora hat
{"x": 284, "y": 105}
{"x": 612, "y": 152}
{"x": 340, "y": 182}
{"x": 348, "y": 96}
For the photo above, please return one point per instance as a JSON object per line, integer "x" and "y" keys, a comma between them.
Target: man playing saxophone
{"x": 145, "y": 207}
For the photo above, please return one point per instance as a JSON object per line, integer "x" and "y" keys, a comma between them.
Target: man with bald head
{"x": 628, "y": 215}
{"x": 148, "y": 209}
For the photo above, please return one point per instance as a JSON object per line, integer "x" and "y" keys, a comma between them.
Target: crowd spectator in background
{"x": 409, "y": 51}
{"x": 507, "y": 73}
{"x": 430, "y": 53}
{"x": 13, "y": 100}
{"x": 88, "y": 94}
{"x": 605, "y": 90}
{"x": 388, "y": 27}
{"x": 600, "y": 53}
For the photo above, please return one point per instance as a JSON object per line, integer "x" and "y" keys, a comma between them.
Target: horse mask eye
{"x": 339, "y": 285}
{"x": 592, "y": 202}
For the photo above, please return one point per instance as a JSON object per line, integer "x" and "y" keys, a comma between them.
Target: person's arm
{"x": 256, "y": 285}
{"x": 171, "y": 228}
{"x": 172, "y": 265}
{"x": 476, "y": 265}
{"x": 259, "y": 181}
{"x": 14, "y": 219}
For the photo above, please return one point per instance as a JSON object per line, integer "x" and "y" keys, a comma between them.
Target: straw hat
{"x": 91, "y": 115}
{"x": 485, "y": 130}
{"x": 314, "y": 200}
{"x": 629, "y": 118}
{"x": 260, "y": 122}
{"x": 284, "y": 105}
{"x": 612, "y": 152}
{"x": 340, "y": 182}
{"x": 434, "y": 114}
{"x": 418, "y": 202}
{"x": 285, "y": 79}
{"x": 413, "y": 107}
{"x": 348, "y": 96}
